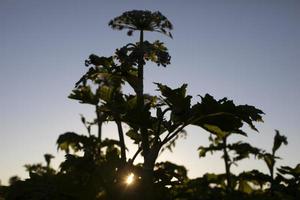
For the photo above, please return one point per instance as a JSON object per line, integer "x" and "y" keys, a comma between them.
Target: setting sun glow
{"x": 130, "y": 178}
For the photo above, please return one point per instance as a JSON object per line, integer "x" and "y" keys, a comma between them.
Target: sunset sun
{"x": 129, "y": 179}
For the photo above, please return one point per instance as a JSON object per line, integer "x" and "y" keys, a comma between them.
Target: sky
{"x": 245, "y": 50}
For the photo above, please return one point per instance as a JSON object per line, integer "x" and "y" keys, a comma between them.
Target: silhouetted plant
{"x": 270, "y": 158}
{"x": 157, "y": 132}
{"x": 96, "y": 168}
{"x": 232, "y": 153}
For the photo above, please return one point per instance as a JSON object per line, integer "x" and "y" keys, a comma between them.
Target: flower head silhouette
{"x": 142, "y": 20}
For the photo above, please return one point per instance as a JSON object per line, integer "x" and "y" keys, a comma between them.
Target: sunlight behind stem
{"x": 130, "y": 179}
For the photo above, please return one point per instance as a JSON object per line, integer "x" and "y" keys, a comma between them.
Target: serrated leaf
{"x": 70, "y": 140}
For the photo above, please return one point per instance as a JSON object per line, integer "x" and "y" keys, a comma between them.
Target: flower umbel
{"x": 142, "y": 20}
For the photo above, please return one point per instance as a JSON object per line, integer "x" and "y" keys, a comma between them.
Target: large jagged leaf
{"x": 243, "y": 150}
{"x": 223, "y": 116}
{"x": 177, "y": 100}
{"x": 137, "y": 118}
{"x": 170, "y": 93}
{"x": 215, "y": 116}
{"x": 220, "y": 124}
{"x": 70, "y": 140}
{"x": 249, "y": 114}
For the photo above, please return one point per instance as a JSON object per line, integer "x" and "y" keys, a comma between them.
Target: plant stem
{"x": 122, "y": 142}
{"x": 272, "y": 174}
{"x": 227, "y": 165}
{"x": 140, "y": 93}
{"x": 99, "y": 122}
{"x": 148, "y": 165}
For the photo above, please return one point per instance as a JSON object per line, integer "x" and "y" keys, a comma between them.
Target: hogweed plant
{"x": 99, "y": 168}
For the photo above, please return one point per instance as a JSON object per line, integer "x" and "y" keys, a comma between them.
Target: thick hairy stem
{"x": 122, "y": 142}
{"x": 148, "y": 174}
{"x": 139, "y": 150}
{"x": 227, "y": 165}
{"x": 140, "y": 93}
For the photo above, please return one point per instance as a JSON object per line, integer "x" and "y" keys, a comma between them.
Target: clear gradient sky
{"x": 246, "y": 50}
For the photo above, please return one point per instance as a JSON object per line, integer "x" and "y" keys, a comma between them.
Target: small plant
{"x": 270, "y": 158}
{"x": 232, "y": 153}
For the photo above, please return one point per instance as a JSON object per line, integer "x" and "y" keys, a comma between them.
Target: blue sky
{"x": 248, "y": 51}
